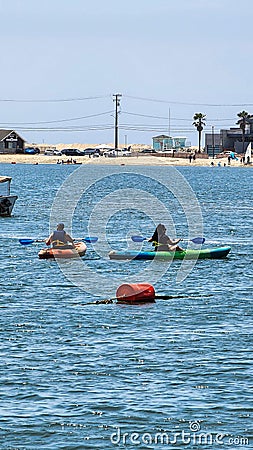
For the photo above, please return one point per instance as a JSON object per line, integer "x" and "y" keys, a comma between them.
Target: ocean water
{"x": 169, "y": 375}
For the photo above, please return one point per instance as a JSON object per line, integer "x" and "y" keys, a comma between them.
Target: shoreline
{"x": 126, "y": 160}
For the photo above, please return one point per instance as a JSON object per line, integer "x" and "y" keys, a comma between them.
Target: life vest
{"x": 59, "y": 238}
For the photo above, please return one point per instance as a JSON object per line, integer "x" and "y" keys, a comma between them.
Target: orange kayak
{"x": 79, "y": 250}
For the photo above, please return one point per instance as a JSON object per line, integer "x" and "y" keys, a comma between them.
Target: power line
{"x": 77, "y": 99}
{"x": 59, "y": 120}
{"x": 187, "y": 103}
{"x": 105, "y": 113}
{"x": 172, "y": 118}
{"x": 143, "y": 115}
{"x": 77, "y": 128}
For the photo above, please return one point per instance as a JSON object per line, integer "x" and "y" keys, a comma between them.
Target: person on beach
{"x": 60, "y": 239}
{"x": 162, "y": 242}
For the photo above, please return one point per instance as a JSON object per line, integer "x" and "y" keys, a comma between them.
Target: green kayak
{"x": 207, "y": 253}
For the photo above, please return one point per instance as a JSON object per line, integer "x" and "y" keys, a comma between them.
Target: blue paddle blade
{"x": 198, "y": 240}
{"x": 91, "y": 239}
{"x": 138, "y": 238}
{"x": 26, "y": 241}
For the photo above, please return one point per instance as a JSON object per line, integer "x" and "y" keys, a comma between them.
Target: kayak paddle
{"x": 197, "y": 240}
{"x": 31, "y": 241}
{"x": 111, "y": 300}
{"x": 90, "y": 239}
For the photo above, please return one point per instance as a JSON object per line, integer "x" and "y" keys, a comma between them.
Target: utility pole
{"x": 213, "y": 140}
{"x": 116, "y": 130}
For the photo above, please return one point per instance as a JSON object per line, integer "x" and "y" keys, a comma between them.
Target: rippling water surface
{"x": 76, "y": 375}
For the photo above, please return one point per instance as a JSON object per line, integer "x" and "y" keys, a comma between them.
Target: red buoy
{"x": 135, "y": 293}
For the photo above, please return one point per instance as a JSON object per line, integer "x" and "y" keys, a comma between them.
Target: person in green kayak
{"x": 162, "y": 242}
{"x": 60, "y": 239}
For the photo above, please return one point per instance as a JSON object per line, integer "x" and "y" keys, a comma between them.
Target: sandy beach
{"x": 127, "y": 160}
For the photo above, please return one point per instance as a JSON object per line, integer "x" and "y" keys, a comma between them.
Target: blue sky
{"x": 63, "y": 60}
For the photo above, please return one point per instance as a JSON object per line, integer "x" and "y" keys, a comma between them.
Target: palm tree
{"x": 199, "y": 123}
{"x": 244, "y": 117}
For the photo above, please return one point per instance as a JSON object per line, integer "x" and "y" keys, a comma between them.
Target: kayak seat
{"x": 61, "y": 245}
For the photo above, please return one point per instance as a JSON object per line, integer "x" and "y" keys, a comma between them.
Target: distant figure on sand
{"x": 60, "y": 239}
{"x": 162, "y": 242}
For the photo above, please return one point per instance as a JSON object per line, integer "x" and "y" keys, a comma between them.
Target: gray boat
{"x": 7, "y": 201}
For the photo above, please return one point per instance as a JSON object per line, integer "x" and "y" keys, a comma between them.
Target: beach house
{"x": 164, "y": 142}
{"x": 11, "y": 142}
{"x": 229, "y": 139}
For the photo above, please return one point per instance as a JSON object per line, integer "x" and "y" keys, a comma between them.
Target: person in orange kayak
{"x": 162, "y": 242}
{"x": 60, "y": 239}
